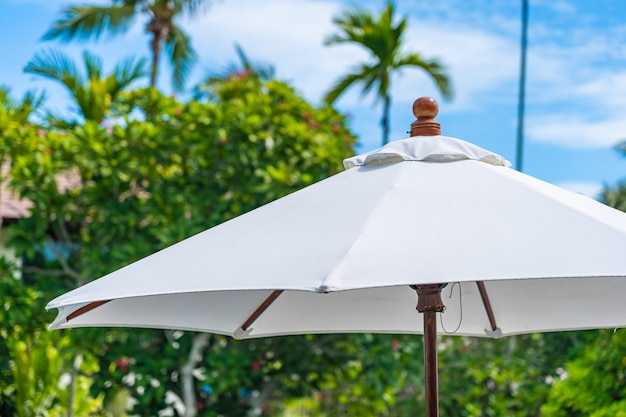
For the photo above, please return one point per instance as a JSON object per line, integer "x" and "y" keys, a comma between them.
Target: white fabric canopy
{"x": 345, "y": 250}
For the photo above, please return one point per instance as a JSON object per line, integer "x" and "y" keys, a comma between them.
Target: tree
{"x": 85, "y": 22}
{"x": 383, "y": 40}
{"x": 34, "y": 363}
{"x": 92, "y": 93}
{"x": 164, "y": 170}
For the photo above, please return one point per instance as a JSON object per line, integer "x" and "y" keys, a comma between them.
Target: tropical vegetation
{"x": 382, "y": 37}
{"x": 133, "y": 170}
{"x": 91, "y": 21}
{"x": 91, "y": 92}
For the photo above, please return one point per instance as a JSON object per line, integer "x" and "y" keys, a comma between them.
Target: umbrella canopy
{"x": 345, "y": 251}
{"x": 347, "y": 254}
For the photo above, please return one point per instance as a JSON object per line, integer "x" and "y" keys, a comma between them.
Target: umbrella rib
{"x": 86, "y": 308}
{"x": 485, "y": 297}
{"x": 261, "y": 309}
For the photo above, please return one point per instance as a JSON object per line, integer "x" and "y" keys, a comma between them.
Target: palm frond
{"x": 262, "y": 71}
{"x": 189, "y": 6}
{"x": 353, "y": 24}
{"x": 93, "y": 65}
{"x": 126, "y": 73}
{"x": 20, "y": 110}
{"x": 435, "y": 69}
{"x": 86, "y": 22}
{"x": 362, "y": 73}
{"x": 258, "y": 69}
{"x": 182, "y": 56}
{"x": 93, "y": 94}
{"x": 56, "y": 66}
{"x": 380, "y": 37}
{"x": 32, "y": 101}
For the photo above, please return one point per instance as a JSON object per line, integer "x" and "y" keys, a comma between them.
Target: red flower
{"x": 395, "y": 345}
{"x": 123, "y": 363}
{"x": 256, "y": 365}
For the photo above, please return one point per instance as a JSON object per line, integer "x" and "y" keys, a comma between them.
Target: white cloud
{"x": 480, "y": 63}
{"x": 575, "y": 132}
{"x": 573, "y": 103}
{"x": 288, "y": 35}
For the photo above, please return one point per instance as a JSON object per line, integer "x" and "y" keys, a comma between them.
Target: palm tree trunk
{"x": 156, "y": 52}
{"x": 384, "y": 122}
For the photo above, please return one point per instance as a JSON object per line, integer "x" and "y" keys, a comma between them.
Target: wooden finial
{"x": 425, "y": 109}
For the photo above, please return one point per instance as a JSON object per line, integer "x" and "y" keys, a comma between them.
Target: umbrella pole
{"x": 431, "y": 364}
{"x": 429, "y": 303}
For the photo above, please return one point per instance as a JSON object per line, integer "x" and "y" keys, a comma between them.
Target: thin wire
{"x": 460, "y": 308}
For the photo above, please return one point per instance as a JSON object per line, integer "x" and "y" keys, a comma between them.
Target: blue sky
{"x": 576, "y": 73}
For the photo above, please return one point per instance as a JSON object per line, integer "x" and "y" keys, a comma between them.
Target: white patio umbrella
{"x": 349, "y": 253}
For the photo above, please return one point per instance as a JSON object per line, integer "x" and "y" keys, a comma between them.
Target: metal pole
{"x": 522, "y": 88}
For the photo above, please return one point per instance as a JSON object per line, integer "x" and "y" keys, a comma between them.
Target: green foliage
{"x": 35, "y": 363}
{"x": 615, "y": 196}
{"x": 510, "y": 376}
{"x": 43, "y": 367}
{"x": 594, "y": 383}
{"x": 157, "y": 171}
{"x": 382, "y": 375}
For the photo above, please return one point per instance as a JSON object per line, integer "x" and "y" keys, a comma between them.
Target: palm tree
{"x": 92, "y": 93}
{"x": 84, "y": 22}
{"x": 383, "y": 39}
{"x": 16, "y": 112}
